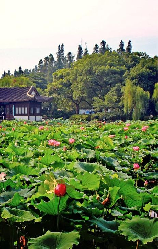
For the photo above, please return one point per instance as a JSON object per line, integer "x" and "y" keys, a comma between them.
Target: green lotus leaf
{"x": 16, "y": 150}
{"x": 138, "y": 228}
{"x": 89, "y": 181}
{"x": 111, "y": 162}
{"x": 7, "y": 183}
{"x": 105, "y": 226}
{"x": 17, "y": 215}
{"x": 114, "y": 195}
{"x": 15, "y": 200}
{"x": 89, "y": 153}
{"x": 53, "y": 207}
{"x": 72, "y": 155}
{"x": 155, "y": 190}
{"x": 5, "y": 196}
{"x": 49, "y": 159}
{"x": 57, "y": 240}
{"x": 73, "y": 193}
{"x": 83, "y": 166}
{"x": 25, "y": 170}
{"x": 130, "y": 195}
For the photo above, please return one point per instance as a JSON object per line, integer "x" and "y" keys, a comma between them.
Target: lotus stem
{"x": 137, "y": 244}
{"x": 58, "y": 214}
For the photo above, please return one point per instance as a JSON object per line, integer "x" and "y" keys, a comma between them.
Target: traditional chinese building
{"x": 21, "y": 103}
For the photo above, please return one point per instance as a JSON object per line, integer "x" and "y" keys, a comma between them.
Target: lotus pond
{"x": 78, "y": 185}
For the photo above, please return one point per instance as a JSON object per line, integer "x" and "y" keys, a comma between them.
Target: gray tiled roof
{"x": 20, "y": 94}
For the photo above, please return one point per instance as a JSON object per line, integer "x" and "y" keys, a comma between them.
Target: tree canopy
{"x": 122, "y": 81}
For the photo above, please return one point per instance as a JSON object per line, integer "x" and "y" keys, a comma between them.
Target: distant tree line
{"x": 49, "y": 65}
{"x": 116, "y": 84}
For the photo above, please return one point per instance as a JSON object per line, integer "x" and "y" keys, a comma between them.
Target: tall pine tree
{"x": 79, "y": 53}
{"x": 121, "y": 47}
{"x": 40, "y": 65}
{"x": 102, "y": 48}
{"x": 62, "y": 55}
{"x": 129, "y": 47}
{"x": 85, "y": 52}
{"x": 69, "y": 59}
{"x": 96, "y": 49}
{"x": 59, "y": 63}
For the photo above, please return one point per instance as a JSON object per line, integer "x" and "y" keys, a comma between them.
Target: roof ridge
{"x": 29, "y": 93}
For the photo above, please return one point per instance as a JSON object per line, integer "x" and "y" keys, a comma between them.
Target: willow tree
{"x": 155, "y": 97}
{"x": 135, "y": 100}
{"x": 141, "y": 103}
{"x": 128, "y": 98}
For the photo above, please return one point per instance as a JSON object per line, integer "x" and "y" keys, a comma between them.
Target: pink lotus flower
{"x": 71, "y": 140}
{"x": 144, "y": 128}
{"x": 111, "y": 136}
{"x": 64, "y": 148}
{"x": 136, "y": 148}
{"x": 25, "y": 122}
{"x": 136, "y": 166}
{"x": 41, "y": 128}
{"x": 126, "y": 137}
{"x": 125, "y": 128}
{"x": 128, "y": 124}
{"x": 2, "y": 176}
{"x": 53, "y": 142}
{"x": 145, "y": 183}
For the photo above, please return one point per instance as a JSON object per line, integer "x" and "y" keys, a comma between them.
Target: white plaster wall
{"x": 32, "y": 118}
{"x": 21, "y": 117}
{"x": 38, "y": 118}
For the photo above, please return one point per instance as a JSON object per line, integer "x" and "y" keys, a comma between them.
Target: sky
{"x": 32, "y": 29}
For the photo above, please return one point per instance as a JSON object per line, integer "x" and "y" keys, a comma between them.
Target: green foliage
{"x": 136, "y": 101}
{"x": 106, "y": 226}
{"x": 141, "y": 103}
{"x": 94, "y": 80}
{"x": 10, "y": 81}
{"x": 17, "y": 215}
{"x": 129, "y": 95}
{"x": 89, "y": 181}
{"x": 142, "y": 229}
{"x": 104, "y": 193}
{"x": 53, "y": 207}
{"x": 155, "y": 97}
{"x": 56, "y": 240}
{"x": 38, "y": 80}
{"x": 80, "y": 117}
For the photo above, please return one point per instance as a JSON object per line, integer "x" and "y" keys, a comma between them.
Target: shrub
{"x": 81, "y": 117}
